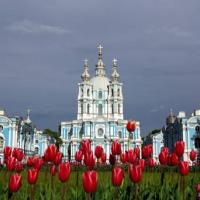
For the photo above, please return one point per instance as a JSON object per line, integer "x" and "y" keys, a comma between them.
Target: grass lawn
{"x": 153, "y": 186}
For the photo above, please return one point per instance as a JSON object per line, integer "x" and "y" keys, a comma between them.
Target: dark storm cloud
{"x": 43, "y": 45}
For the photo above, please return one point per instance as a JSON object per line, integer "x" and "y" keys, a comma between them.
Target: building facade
{"x": 100, "y": 116}
{"x": 156, "y": 139}
{"x": 182, "y": 128}
{"x": 17, "y": 132}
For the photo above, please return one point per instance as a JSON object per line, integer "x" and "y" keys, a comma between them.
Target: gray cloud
{"x": 43, "y": 44}
{"x": 30, "y": 27}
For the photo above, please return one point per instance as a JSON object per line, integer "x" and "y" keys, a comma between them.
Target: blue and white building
{"x": 21, "y": 133}
{"x": 156, "y": 139}
{"x": 183, "y": 128}
{"x": 100, "y": 116}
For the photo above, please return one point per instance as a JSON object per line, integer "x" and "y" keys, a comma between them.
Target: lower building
{"x": 182, "y": 128}
{"x": 17, "y": 132}
{"x": 155, "y": 138}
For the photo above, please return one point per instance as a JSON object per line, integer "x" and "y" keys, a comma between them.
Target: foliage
{"x": 54, "y": 135}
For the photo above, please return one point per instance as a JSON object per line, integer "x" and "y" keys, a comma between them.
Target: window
{"x": 100, "y": 132}
{"x": 1, "y": 144}
{"x": 36, "y": 141}
{"x": 112, "y": 108}
{"x": 119, "y": 108}
{"x": 100, "y": 94}
{"x": 120, "y": 134}
{"x": 88, "y": 92}
{"x": 100, "y": 109}
{"x": 197, "y": 143}
{"x": 112, "y": 92}
{"x": 118, "y": 92}
{"x": 81, "y": 92}
{"x": 36, "y": 150}
{"x": 197, "y": 129}
{"x": 1, "y": 128}
{"x": 81, "y": 108}
{"x": 88, "y": 109}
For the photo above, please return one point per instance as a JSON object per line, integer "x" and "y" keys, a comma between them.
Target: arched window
{"x": 112, "y": 92}
{"x": 88, "y": 109}
{"x": 120, "y": 134}
{"x": 119, "y": 108}
{"x": 100, "y": 94}
{"x": 100, "y": 132}
{"x": 88, "y": 92}
{"x": 100, "y": 110}
{"x": 118, "y": 92}
{"x": 81, "y": 92}
{"x": 36, "y": 150}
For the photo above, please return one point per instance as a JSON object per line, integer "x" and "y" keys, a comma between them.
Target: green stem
{"x": 136, "y": 191}
{"x": 77, "y": 176}
{"x": 63, "y": 192}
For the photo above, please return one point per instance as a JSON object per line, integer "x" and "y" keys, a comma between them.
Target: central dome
{"x": 100, "y": 82}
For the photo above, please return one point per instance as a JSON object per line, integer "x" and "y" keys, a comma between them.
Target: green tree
{"x": 55, "y": 136}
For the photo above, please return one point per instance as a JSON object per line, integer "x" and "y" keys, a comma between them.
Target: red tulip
{"x": 19, "y": 155}
{"x": 53, "y": 170}
{"x": 117, "y": 176}
{"x": 46, "y": 156}
{"x": 131, "y": 156}
{"x": 137, "y": 152}
{"x": 112, "y": 159}
{"x": 89, "y": 160}
{"x": 163, "y": 158}
{"x": 165, "y": 149}
{"x": 14, "y": 153}
{"x": 103, "y": 158}
{"x": 10, "y": 163}
{"x": 98, "y": 151}
{"x": 173, "y": 159}
{"x": 89, "y": 179}
{"x": 179, "y": 148}
{"x": 37, "y": 163}
{"x": 198, "y": 188}
{"x": 150, "y": 149}
{"x": 78, "y": 156}
{"x": 30, "y": 161}
{"x": 58, "y": 158}
{"x": 15, "y": 182}
{"x": 193, "y": 155}
{"x": 51, "y": 152}
{"x": 135, "y": 173}
{"x": 85, "y": 146}
{"x": 141, "y": 162}
{"x": 116, "y": 148}
{"x": 32, "y": 176}
{"x": 131, "y": 126}
{"x": 151, "y": 162}
{"x": 7, "y": 152}
{"x": 183, "y": 168}
{"x": 64, "y": 172}
{"x": 123, "y": 158}
{"x": 147, "y": 151}
{"x": 18, "y": 167}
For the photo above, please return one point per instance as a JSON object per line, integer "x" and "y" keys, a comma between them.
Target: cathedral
{"x": 100, "y": 116}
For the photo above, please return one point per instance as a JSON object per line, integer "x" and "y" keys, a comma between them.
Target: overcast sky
{"x": 43, "y": 45}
